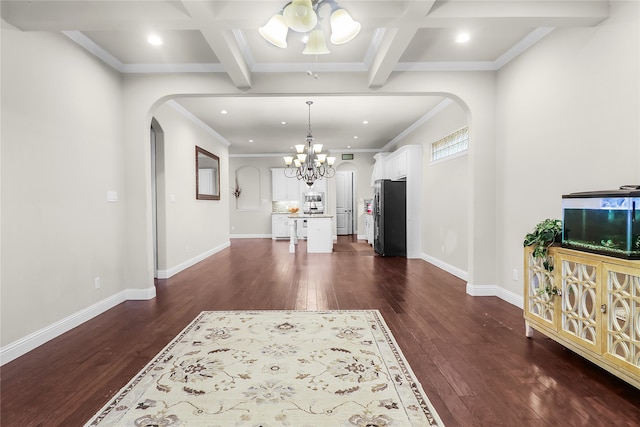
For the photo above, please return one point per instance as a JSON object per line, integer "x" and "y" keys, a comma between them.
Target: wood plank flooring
{"x": 469, "y": 353}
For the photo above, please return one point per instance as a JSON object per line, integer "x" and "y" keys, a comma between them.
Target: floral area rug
{"x": 275, "y": 368}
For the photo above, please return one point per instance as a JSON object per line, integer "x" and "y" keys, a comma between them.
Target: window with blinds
{"x": 450, "y": 145}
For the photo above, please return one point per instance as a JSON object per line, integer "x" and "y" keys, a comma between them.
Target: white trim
{"x": 36, "y": 339}
{"x": 250, "y": 236}
{"x": 190, "y": 116}
{"x": 302, "y": 67}
{"x": 415, "y": 125}
{"x": 482, "y": 290}
{"x": 446, "y": 66}
{"x": 529, "y": 40}
{"x": 459, "y": 273}
{"x": 171, "y": 68}
{"x": 462, "y": 153}
{"x": 140, "y": 294}
{"x": 360, "y": 67}
{"x": 495, "y": 291}
{"x": 477, "y": 290}
{"x": 92, "y": 47}
{"x": 165, "y": 274}
{"x": 510, "y": 297}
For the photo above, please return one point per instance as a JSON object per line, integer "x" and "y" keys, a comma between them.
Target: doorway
{"x": 157, "y": 191}
{"x": 344, "y": 203}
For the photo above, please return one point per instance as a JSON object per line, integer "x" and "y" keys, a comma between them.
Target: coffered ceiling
{"x": 218, "y": 36}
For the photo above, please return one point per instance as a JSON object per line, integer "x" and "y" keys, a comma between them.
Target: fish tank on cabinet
{"x": 603, "y": 222}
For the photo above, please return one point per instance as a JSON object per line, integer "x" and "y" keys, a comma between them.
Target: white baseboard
{"x": 459, "y": 273}
{"x": 36, "y": 339}
{"x": 165, "y": 274}
{"x": 250, "y": 236}
{"x": 511, "y": 297}
{"x": 495, "y": 291}
{"x": 477, "y": 290}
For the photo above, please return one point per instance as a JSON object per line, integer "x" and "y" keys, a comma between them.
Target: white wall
{"x": 253, "y": 223}
{"x": 445, "y": 193}
{"x": 189, "y": 229}
{"x": 568, "y": 121}
{"x": 257, "y": 223}
{"x": 62, "y": 151}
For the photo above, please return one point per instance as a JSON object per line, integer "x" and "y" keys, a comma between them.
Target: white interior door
{"x": 344, "y": 202}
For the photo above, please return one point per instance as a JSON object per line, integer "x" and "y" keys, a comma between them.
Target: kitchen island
{"x": 319, "y": 233}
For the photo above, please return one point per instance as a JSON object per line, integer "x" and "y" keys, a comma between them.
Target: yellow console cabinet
{"x": 595, "y": 312}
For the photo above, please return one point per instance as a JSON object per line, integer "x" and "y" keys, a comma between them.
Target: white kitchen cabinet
{"x": 279, "y": 226}
{"x": 319, "y": 234}
{"x": 368, "y": 228}
{"x": 284, "y": 188}
{"x": 396, "y": 165}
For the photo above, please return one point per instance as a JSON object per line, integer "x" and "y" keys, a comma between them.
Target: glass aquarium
{"x": 603, "y": 222}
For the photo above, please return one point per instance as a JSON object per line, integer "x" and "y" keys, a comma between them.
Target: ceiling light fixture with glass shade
{"x": 302, "y": 16}
{"x": 309, "y": 163}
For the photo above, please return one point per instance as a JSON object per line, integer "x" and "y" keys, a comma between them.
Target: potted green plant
{"x": 545, "y": 234}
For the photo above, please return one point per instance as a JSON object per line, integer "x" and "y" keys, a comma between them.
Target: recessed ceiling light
{"x": 355, "y": 137}
{"x": 283, "y": 123}
{"x": 154, "y": 40}
{"x": 224, "y": 112}
{"x": 365, "y": 122}
{"x": 348, "y": 146}
{"x": 463, "y": 38}
{"x": 251, "y": 140}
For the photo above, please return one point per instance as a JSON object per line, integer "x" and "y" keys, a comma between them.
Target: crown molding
{"x": 92, "y": 47}
{"x": 415, "y": 125}
{"x": 296, "y": 67}
{"x": 186, "y": 113}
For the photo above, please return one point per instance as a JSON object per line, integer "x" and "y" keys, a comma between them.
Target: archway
{"x": 476, "y": 90}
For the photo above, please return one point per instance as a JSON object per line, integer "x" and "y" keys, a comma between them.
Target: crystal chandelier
{"x": 302, "y": 16}
{"x": 309, "y": 163}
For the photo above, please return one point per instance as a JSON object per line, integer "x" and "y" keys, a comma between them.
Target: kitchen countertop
{"x": 307, "y": 216}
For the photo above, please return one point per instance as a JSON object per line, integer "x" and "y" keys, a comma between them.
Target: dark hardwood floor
{"x": 469, "y": 353}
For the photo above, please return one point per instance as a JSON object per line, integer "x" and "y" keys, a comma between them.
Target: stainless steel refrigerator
{"x": 390, "y": 217}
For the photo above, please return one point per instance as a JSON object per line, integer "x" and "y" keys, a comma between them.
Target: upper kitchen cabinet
{"x": 284, "y": 188}
{"x": 396, "y": 165}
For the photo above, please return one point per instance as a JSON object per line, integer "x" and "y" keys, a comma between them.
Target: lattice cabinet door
{"x": 540, "y": 306}
{"x": 580, "y": 317}
{"x": 622, "y": 341}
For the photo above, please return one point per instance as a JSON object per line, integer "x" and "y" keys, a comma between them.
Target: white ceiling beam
{"x": 396, "y": 40}
{"x": 222, "y": 42}
{"x": 394, "y": 43}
